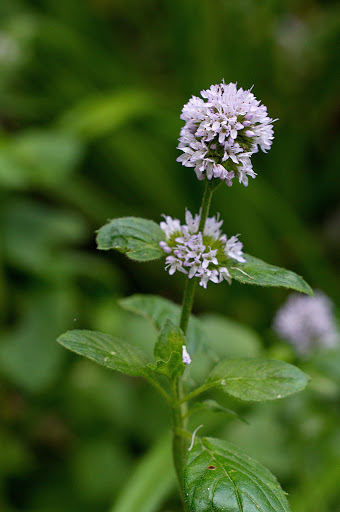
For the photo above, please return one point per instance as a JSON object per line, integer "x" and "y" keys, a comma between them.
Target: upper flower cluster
{"x": 205, "y": 255}
{"x": 222, "y": 131}
{"x": 307, "y": 322}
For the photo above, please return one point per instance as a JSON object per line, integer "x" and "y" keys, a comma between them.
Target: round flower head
{"x": 222, "y": 131}
{"x": 307, "y": 322}
{"x": 205, "y": 255}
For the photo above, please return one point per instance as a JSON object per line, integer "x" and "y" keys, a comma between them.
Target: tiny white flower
{"x": 192, "y": 222}
{"x": 170, "y": 226}
{"x": 224, "y": 275}
{"x": 174, "y": 264}
{"x": 185, "y": 355}
{"x": 212, "y": 227}
{"x": 209, "y": 257}
{"x": 209, "y": 275}
{"x": 233, "y": 249}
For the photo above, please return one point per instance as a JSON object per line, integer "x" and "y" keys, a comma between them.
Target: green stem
{"x": 206, "y": 200}
{"x": 179, "y": 407}
{"x": 193, "y": 394}
{"x": 179, "y": 443}
{"x": 188, "y": 300}
{"x": 190, "y": 285}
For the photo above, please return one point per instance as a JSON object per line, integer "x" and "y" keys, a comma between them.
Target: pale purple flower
{"x": 222, "y": 131}
{"x": 172, "y": 263}
{"x": 233, "y": 249}
{"x": 170, "y": 226}
{"x": 307, "y": 322}
{"x": 206, "y": 256}
{"x": 185, "y": 355}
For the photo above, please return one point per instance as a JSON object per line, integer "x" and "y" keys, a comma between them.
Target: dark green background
{"x": 90, "y": 97}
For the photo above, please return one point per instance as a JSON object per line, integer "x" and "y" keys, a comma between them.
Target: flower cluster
{"x": 204, "y": 255}
{"x": 307, "y": 322}
{"x": 221, "y": 133}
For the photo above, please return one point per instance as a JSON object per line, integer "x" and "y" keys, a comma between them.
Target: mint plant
{"x": 222, "y": 131}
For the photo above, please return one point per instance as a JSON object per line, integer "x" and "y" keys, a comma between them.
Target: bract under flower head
{"x": 205, "y": 255}
{"x": 222, "y": 131}
{"x": 307, "y": 322}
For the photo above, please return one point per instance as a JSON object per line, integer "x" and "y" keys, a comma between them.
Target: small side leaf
{"x": 257, "y": 272}
{"x": 171, "y": 339}
{"x": 158, "y": 310}
{"x": 213, "y": 406}
{"x": 137, "y": 238}
{"x": 255, "y": 379}
{"x": 171, "y": 368}
{"x": 221, "y": 477}
{"x": 168, "y": 351}
{"x": 106, "y": 350}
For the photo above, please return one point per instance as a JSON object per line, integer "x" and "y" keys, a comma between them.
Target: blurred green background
{"x": 90, "y": 97}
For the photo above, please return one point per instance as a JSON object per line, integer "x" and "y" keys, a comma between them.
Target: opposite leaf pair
{"x": 216, "y": 472}
{"x": 140, "y": 240}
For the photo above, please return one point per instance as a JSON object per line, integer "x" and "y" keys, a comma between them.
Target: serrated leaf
{"x": 106, "y": 350}
{"x": 168, "y": 351}
{"x": 171, "y": 368}
{"x": 257, "y": 272}
{"x": 171, "y": 339}
{"x": 255, "y": 379}
{"x": 137, "y": 238}
{"x": 221, "y": 477}
{"x": 158, "y": 310}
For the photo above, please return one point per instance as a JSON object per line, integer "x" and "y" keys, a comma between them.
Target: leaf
{"x": 137, "y": 238}
{"x": 221, "y": 477}
{"x": 171, "y": 368}
{"x": 158, "y": 310}
{"x": 213, "y": 406}
{"x": 168, "y": 351}
{"x": 228, "y": 338}
{"x": 171, "y": 339}
{"x": 255, "y": 379}
{"x": 257, "y": 272}
{"x": 106, "y": 350}
{"x": 154, "y": 308}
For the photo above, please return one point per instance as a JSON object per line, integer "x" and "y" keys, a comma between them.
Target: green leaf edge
{"x": 224, "y": 445}
{"x": 209, "y": 384}
{"x": 140, "y": 370}
{"x": 134, "y": 254}
{"x": 239, "y": 276}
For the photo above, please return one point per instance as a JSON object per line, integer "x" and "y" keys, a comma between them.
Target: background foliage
{"x": 90, "y": 97}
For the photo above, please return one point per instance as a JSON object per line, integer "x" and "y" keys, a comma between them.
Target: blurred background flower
{"x": 90, "y": 101}
{"x": 307, "y": 322}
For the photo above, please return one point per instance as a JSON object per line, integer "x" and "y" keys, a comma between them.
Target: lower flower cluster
{"x": 205, "y": 255}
